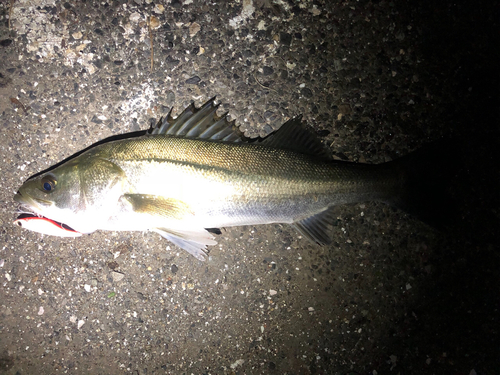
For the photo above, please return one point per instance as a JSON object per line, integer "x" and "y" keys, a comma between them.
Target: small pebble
{"x": 159, "y": 8}
{"x": 135, "y": 17}
{"x": 117, "y": 276}
{"x": 193, "y": 29}
{"x": 239, "y": 362}
{"x": 154, "y": 22}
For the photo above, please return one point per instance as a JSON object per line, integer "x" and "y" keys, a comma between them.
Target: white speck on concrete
{"x": 239, "y": 362}
{"x": 315, "y": 11}
{"x": 135, "y": 17}
{"x": 246, "y": 12}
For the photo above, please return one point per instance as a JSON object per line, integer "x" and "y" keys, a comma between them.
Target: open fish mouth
{"x": 31, "y": 219}
{"x": 25, "y": 210}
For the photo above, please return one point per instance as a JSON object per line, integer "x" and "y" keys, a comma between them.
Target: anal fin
{"x": 317, "y": 226}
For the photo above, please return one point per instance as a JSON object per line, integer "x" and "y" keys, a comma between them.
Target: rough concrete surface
{"x": 374, "y": 79}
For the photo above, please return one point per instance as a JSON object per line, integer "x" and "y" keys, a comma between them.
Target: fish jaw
{"x": 39, "y": 215}
{"x": 34, "y": 204}
{"x": 36, "y": 222}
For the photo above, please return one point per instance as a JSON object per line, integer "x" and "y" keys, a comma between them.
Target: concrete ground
{"x": 375, "y": 80}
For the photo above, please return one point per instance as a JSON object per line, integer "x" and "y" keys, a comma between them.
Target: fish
{"x": 189, "y": 175}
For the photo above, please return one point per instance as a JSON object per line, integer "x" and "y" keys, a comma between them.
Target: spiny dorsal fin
{"x": 200, "y": 123}
{"x": 203, "y": 123}
{"x": 316, "y": 227}
{"x": 294, "y": 137}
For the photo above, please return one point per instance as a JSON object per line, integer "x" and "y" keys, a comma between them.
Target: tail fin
{"x": 455, "y": 184}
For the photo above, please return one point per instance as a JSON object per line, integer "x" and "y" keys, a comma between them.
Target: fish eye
{"x": 48, "y": 184}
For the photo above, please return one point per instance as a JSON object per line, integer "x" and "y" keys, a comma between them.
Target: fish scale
{"x": 246, "y": 174}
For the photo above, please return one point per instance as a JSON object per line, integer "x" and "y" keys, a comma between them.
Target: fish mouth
{"x": 28, "y": 209}
{"x": 27, "y": 205}
{"x": 31, "y": 202}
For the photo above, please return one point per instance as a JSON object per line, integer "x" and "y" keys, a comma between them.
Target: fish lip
{"x": 29, "y": 207}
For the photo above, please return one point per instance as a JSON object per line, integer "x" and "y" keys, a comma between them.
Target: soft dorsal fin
{"x": 200, "y": 123}
{"x": 294, "y": 137}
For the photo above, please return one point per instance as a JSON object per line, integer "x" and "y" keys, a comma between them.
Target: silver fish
{"x": 197, "y": 172}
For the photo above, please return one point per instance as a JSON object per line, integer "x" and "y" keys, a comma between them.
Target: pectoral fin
{"x": 154, "y": 205}
{"x": 176, "y": 222}
{"x": 193, "y": 241}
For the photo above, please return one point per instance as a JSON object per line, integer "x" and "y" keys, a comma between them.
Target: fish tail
{"x": 454, "y": 183}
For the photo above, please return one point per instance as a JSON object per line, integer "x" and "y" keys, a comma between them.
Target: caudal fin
{"x": 455, "y": 183}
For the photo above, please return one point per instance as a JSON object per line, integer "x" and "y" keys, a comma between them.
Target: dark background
{"x": 375, "y": 80}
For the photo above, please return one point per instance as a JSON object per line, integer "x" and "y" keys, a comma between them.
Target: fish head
{"x": 79, "y": 193}
{"x": 54, "y": 194}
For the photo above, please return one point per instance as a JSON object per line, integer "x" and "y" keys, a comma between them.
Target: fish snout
{"x": 19, "y": 197}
